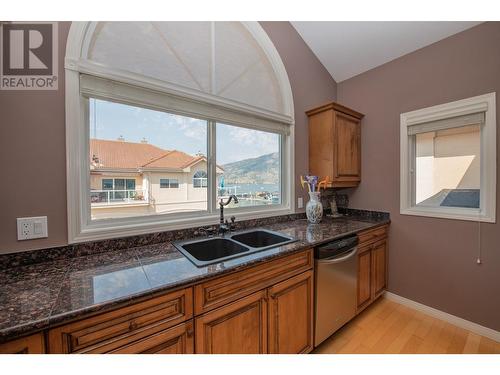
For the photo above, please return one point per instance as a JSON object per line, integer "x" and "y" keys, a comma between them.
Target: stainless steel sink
{"x": 207, "y": 251}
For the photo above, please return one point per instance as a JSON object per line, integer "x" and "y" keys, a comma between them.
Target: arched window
{"x": 162, "y": 98}
{"x": 200, "y": 179}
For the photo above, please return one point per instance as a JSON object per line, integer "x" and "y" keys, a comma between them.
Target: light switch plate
{"x": 29, "y": 228}
{"x": 300, "y": 202}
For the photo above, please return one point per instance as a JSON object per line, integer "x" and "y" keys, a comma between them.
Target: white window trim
{"x": 482, "y": 103}
{"x": 80, "y": 226}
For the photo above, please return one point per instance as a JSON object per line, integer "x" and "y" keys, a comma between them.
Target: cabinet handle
{"x": 190, "y": 331}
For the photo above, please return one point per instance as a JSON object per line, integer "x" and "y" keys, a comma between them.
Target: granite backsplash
{"x": 89, "y": 248}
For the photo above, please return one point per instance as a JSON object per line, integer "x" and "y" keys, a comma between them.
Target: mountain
{"x": 261, "y": 170}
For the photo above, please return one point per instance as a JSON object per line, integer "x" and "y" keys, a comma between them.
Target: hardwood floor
{"x": 388, "y": 327}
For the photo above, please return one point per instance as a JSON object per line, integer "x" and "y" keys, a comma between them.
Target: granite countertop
{"x": 37, "y": 296}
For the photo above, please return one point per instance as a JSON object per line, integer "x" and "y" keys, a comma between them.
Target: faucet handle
{"x": 232, "y": 226}
{"x": 209, "y": 232}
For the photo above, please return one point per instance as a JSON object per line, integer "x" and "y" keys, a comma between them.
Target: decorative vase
{"x": 314, "y": 208}
{"x": 314, "y": 233}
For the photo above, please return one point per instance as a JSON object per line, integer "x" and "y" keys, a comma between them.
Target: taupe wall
{"x": 432, "y": 261}
{"x": 33, "y": 155}
{"x": 32, "y": 139}
{"x": 311, "y": 84}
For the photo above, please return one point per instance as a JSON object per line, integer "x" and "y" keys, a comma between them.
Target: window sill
{"x": 448, "y": 213}
{"x": 106, "y": 229}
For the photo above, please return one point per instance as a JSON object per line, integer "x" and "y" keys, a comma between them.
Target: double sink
{"x": 207, "y": 251}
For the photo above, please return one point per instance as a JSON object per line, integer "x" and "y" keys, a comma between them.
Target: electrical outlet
{"x": 300, "y": 202}
{"x": 29, "y": 228}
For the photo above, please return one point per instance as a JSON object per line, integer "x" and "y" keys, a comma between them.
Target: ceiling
{"x": 348, "y": 48}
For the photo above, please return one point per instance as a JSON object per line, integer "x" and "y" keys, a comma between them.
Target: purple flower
{"x": 312, "y": 181}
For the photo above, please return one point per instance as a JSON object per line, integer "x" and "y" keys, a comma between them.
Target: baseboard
{"x": 452, "y": 319}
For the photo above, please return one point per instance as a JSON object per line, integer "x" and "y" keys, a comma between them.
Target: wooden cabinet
{"x": 290, "y": 315}
{"x": 109, "y": 332}
{"x": 379, "y": 267}
{"x": 33, "y": 344}
{"x": 372, "y": 265}
{"x": 225, "y": 289}
{"x": 278, "y": 318}
{"x": 335, "y": 144}
{"x": 364, "y": 276}
{"x": 237, "y": 328}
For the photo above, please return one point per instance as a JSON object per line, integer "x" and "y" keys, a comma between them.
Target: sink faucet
{"x": 224, "y": 226}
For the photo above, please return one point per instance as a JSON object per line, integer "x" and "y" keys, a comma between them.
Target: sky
{"x": 111, "y": 120}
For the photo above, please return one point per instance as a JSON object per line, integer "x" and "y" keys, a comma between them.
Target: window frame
{"x": 169, "y": 183}
{"x": 487, "y": 210}
{"x": 121, "y": 87}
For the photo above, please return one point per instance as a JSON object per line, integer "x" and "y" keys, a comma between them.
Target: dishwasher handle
{"x": 338, "y": 259}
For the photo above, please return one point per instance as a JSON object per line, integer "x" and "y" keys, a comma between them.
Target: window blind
{"x": 453, "y": 122}
{"x": 103, "y": 88}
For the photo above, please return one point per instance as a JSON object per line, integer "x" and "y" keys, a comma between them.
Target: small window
{"x": 107, "y": 184}
{"x": 200, "y": 179}
{"x": 119, "y": 184}
{"x": 130, "y": 184}
{"x": 448, "y": 160}
{"x": 169, "y": 183}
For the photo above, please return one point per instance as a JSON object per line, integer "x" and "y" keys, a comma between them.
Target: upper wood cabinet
{"x": 335, "y": 144}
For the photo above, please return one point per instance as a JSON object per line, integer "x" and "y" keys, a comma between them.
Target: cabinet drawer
{"x": 155, "y": 314}
{"x": 229, "y": 288}
{"x": 174, "y": 340}
{"x": 372, "y": 235}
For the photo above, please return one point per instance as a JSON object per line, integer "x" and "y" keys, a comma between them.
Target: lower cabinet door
{"x": 33, "y": 344}
{"x": 364, "y": 277}
{"x": 175, "y": 340}
{"x": 379, "y": 263}
{"x": 291, "y": 315}
{"x": 237, "y": 328}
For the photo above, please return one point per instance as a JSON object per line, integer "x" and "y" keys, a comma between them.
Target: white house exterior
{"x": 130, "y": 179}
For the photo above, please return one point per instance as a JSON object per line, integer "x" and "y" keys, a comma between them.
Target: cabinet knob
{"x": 132, "y": 326}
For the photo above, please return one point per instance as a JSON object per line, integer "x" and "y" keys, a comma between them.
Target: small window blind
{"x": 453, "y": 122}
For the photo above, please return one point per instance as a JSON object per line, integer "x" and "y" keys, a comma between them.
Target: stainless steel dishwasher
{"x": 336, "y": 269}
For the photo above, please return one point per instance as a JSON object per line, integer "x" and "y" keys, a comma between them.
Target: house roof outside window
{"x": 112, "y": 155}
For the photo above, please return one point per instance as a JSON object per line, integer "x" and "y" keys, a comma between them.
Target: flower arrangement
{"x": 313, "y": 184}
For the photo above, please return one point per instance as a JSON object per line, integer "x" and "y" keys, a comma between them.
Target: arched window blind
{"x": 218, "y": 60}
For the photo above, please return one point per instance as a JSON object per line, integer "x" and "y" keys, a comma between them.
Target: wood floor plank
{"x": 389, "y": 327}
{"x": 397, "y": 345}
{"x": 472, "y": 343}
{"x": 487, "y": 346}
{"x": 412, "y": 345}
{"x": 457, "y": 343}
